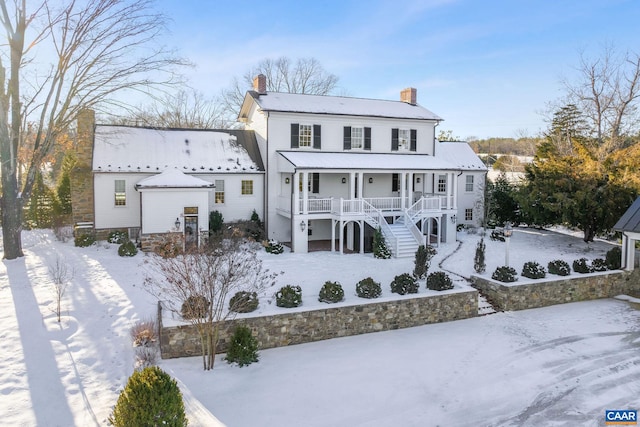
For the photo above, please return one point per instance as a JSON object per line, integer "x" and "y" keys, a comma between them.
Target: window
{"x": 442, "y": 183}
{"x": 313, "y": 183}
{"x": 247, "y": 187}
{"x": 468, "y": 214}
{"x": 357, "y": 137}
{"x": 469, "y": 183}
{"x": 219, "y": 196}
{"x": 120, "y": 192}
{"x": 403, "y": 139}
{"x": 303, "y": 135}
{"x": 395, "y": 182}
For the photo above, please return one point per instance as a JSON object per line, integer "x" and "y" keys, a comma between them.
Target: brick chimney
{"x": 260, "y": 84}
{"x": 409, "y": 95}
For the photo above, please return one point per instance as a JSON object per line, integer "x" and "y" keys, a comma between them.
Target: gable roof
{"x": 460, "y": 154}
{"x": 630, "y": 220}
{"x": 335, "y": 105}
{"x": 173, "y": 178}
{"x": 142, "y": 149}
{"x": 370, "y": 161}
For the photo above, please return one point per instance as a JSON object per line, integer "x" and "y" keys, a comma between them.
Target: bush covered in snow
{"x": 289, "y": 296}
{"x": 559, "y": 267}
{"x": 331, "y": 292}
{"x": 599, "y": 264}
{"x": 368, "y": 288}
{"x": 84, "y": 240}
{"x": 118, "y": 237}
{"x": 533, "y": 270}
{"x": 380, "y": 249}
{"x": 244, "y": 302}
{"x": 243, "y": 348}
{"x": 151, "y": 398}
{"x": 195, "y": 307}
{"x": 505, "y": 274}
{"x": 581, "y": 266}
{"x": 128, "y": 248}
{"x": 273, "y": 247}
{"x": 404, "y": 284}
{"x": 439, "y": 281}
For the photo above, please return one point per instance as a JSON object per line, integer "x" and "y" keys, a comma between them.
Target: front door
{"x": 190, "y": 232}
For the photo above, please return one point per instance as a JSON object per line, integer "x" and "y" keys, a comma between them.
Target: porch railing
{"x": 356, "y": 206}
{"x": 415, "y": 231}
{"x": 376, "y": 219}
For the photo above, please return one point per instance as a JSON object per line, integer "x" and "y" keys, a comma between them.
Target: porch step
{"x": 407, "y": 245}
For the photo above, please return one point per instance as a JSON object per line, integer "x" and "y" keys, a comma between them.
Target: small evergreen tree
{"x": 39, "y": 211}
{"x": 215, "y": 222}
{"x": 479, "y": 264}
{"x": 151, "y": 398}
{"x": 255, "y": 228}
{"x": 422, "y": 261}
{"x": 380, "y": 249}
{"x": 64, "y": 194}
{"x": 243, "y": 348}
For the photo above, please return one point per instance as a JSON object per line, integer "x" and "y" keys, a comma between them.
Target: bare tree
{"x": 206, "y": 279}
{"x": 61, "y": 275}
{"x": 97, "y": 49}
{"x": 306, "y": 75}
{"x": 607, "y": 94}
{"x": 187, "y": 109}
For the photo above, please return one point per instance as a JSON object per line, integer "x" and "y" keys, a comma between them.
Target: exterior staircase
{"x": 407, "y": 244}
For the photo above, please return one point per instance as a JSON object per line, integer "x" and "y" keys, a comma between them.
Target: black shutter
{"x": 394, "y": 139}
{"x": 367, "y": 138}
{"x": 347, "y": 138}
{"x": 394, "y": 182}
{"x": 295, "y": 131}
{"x": 316, "y": 137}
{"x": 315, "y": 183}
{"x": 414, "y": 140}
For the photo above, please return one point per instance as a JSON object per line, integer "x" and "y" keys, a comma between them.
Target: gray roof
{"x": 340, "y": 105}
{"x": 460, "y": 154}
{"x": 630, "y": 221}
{"x": 369, "y": 161}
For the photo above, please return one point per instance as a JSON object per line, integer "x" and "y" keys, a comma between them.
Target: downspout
{"x": 265, "y": 190}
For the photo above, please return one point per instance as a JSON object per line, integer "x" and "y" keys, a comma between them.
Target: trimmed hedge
{"x": 559, "y": 267}
{"x": 244, "y": 302}
{"x": 368, "y": 288}
{"x": 439, "y": 281}
{"x": 505, "y": 274}
{"x": 533, "y": 270}
{"x": 331, "y": 292}
{"x": 404, "y": 284}
{"x": 289, "y": 296}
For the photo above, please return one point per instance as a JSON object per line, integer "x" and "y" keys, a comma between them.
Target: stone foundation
{"x": 558, "y": 290}
{"x": 154, "y": 242}
{"x": 307, "y": 326}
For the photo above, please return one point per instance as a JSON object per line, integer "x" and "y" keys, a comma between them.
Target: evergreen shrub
{"x": 559, "y": 267}
{"x": 505, "y": 274}
{"x": 274, "y": 247}
{"x": 244, "y": 302}
{"x": 380, "y": 249}
{"x": 423, "y": 256}
{"x": 479, "y": 264}
{"x": 243, "y": 348}
{"x": 404, "y": 283}
{"x": 599, "y": 264}
{"x": 581, "y": 266}
{"x": 368, "y": 288}
{"x": 151, "y": 398}
{"x": 439, "y": 281}
{"x": 84, "y": 240}
{"x": 117, "y": 236}
{"x": 533, "y": 270}
{"x": 614, "y": 258}
{"x": 196, "y": 306}
{"x": 128, "y": 248}
{"x": 215, "y": 222}
{"x": 289, "y": 296}
{"x": 331, "y": 292}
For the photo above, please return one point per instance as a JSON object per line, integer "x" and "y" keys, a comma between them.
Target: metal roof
{"x": 630, "y": 220}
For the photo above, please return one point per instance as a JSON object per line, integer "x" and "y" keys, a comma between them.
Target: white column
{"x": 455, "y": 190}
{"x": 352, "y": 185}
{"x": 403, "y": 190}
{"x": 333, "y": 235}
{"x": 410, "y": 188}
{"x": 305, "y": 192}
{"x": 361, "y": 225}
{"x": 360, "y": 184}
{"x": 449, "y": 185}
{"x": 296, "y": 194}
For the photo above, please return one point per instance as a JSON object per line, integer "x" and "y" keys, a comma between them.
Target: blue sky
{"x": 487, "y": 67}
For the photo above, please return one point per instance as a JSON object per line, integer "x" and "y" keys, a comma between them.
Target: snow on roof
{"x": 134, "y": 149}
{"x": 324, "y": 104}
{"x": 461, "y": 155}
{"x": 173, "y": 178}
{"x": 380, "y": 161}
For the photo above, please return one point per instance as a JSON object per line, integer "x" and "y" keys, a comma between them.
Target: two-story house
{"x": 318, "y": 169}
{"x": 337, "y": 168}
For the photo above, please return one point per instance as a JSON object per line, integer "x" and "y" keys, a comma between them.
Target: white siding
{"x": 107, "y": 214}
{"x": 161, "y": 207}
{"x": 236, "y": 205}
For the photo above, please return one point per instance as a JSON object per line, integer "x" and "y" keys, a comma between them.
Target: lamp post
{"x": 507, "y": 235}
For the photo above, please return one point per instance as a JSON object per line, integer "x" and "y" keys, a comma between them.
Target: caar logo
{"x": 621, "y": 417}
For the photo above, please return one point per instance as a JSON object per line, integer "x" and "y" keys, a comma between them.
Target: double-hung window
{"x": 357, "y": 137}
{"x": 468, "y": 214}
{"x": 305, "y": 136}
{"x": 120, "y": 193}
{"x": 219, "y": 196}
{"x": 247, "y": 187}
{"x": 442, "y": 183}
{"x": 468, "y": 185}
{"x": 403, "y": 139}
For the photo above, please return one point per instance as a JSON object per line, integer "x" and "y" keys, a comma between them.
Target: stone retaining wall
{"x": 542, "y": 293}
{"x": 299, "y": 327}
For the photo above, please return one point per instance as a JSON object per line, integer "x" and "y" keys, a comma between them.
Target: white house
{"x": 338, "y": 167}
{"x": 319, "y": 170}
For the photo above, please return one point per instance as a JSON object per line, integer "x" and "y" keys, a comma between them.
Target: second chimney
{"x": 409, "y": 95}
{"x": 260, "y": 84}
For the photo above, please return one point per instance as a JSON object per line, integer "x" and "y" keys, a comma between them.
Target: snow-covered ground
{"x": 561, "y": 365}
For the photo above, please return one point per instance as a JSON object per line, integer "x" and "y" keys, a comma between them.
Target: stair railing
{"x": 375, "y": 219}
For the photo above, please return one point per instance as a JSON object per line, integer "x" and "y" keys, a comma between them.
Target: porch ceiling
{"x": 296, "y": 160}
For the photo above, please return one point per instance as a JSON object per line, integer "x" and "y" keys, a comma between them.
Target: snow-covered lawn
{"x": 560, "y": 365}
